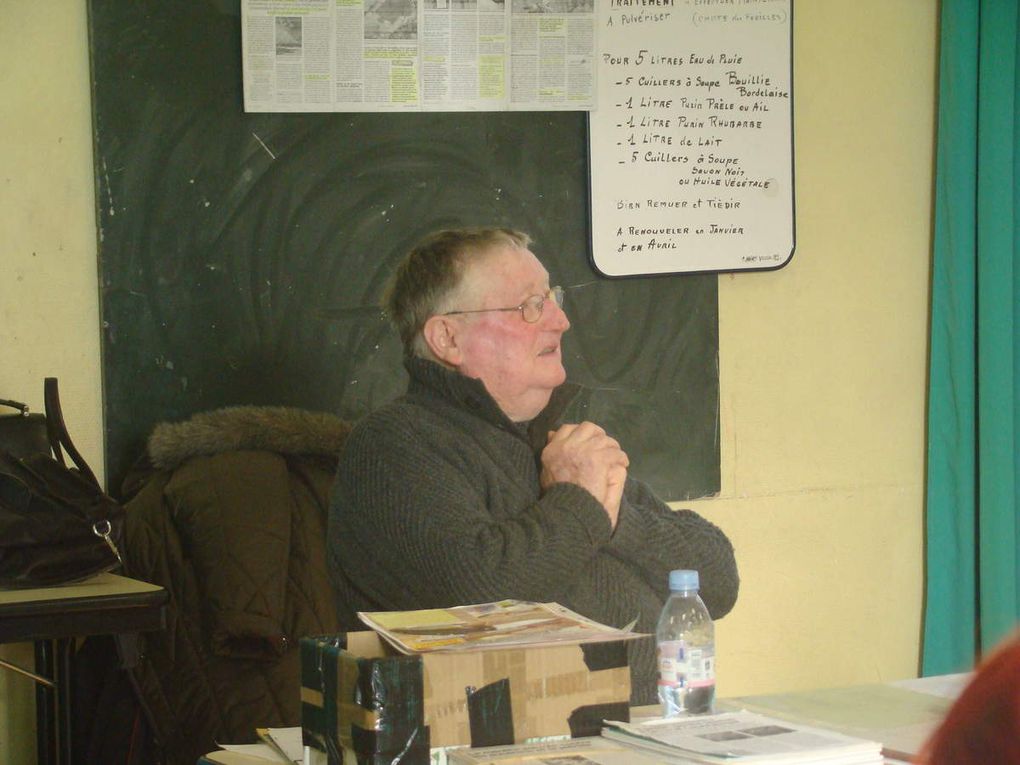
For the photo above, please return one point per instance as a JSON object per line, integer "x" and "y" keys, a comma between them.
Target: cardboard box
{"x": 361, "y": 702}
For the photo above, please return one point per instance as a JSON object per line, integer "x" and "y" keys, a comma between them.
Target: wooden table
{"x": 52, "y": 617}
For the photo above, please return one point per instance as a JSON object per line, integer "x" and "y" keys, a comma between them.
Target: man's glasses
{"x": 531, "y": 309}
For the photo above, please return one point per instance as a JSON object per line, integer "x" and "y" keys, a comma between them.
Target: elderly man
{"x": 467, "y": 489}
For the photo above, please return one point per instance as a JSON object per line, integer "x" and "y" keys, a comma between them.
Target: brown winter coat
{"x": 232, "y": 522}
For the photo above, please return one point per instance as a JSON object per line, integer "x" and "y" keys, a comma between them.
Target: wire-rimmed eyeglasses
{"x": 530, "y": 309}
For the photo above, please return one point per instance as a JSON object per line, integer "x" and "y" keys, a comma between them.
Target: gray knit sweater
{"x": 437, "y": 503}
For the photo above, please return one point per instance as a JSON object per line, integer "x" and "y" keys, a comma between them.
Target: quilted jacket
{"x": 231, "y": 520}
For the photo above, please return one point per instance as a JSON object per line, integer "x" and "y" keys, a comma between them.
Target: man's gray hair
{"x": 430, "y": 273}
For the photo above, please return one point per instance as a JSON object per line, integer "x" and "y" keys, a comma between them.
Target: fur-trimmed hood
{"x": 279, "y": 429}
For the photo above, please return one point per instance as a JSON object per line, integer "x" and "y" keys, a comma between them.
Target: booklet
{"x": 504, "y": 624}
{"x": 744, "y": 737}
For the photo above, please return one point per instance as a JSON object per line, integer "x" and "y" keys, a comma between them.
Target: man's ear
{"x": 441, "y": 335}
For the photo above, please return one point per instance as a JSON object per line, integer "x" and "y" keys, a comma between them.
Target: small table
{"x": 51, "y": 617}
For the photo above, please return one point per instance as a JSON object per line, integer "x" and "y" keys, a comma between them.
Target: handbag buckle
{"x": 103, "y": 529}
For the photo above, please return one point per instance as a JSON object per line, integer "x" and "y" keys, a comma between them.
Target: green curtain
{"x": 972, "y": 562}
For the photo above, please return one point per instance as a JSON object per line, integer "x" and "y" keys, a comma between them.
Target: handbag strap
{"x": 23, "y": 408}
{"x": 56, "y": 430}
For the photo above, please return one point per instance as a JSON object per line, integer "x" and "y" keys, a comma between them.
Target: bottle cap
{"x": 683, "y": 579}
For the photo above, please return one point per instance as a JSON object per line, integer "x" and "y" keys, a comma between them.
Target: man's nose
{"x": 555, "y": 317}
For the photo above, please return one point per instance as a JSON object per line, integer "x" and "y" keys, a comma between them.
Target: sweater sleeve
{"x": 653, "y": 539}
{"x": 419, "y": 522}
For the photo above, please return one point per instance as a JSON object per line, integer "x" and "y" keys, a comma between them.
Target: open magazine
{"x": 504, "y": 624}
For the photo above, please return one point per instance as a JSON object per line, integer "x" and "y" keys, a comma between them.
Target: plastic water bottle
{"x": 685, "y": 637}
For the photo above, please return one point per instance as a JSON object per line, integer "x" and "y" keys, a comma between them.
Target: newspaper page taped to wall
{"x": 417, "y": 55}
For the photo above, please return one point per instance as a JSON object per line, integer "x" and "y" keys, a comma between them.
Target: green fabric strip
{"x": 950, "y": 612}
{"x": 997, "y": 356}
{"x": 973, "y": 567}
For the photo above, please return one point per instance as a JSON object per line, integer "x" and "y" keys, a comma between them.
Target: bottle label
{"x": 686, "y": 666}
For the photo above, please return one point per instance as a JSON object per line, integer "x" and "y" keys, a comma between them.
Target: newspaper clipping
{"x": 417, "y": 55}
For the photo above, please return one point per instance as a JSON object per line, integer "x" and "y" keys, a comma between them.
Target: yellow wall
{"x": 822, "y": 364}
{"x": 49, "y": 316}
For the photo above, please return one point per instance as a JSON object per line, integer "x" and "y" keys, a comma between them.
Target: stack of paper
{"x": 286, "y": 742}
{"x": 279, "y": 746}
{"x": 574, "y": 751}
{"x": 744, "y": 737}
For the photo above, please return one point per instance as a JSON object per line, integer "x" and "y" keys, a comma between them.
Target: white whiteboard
{"x": 692, "y": 141}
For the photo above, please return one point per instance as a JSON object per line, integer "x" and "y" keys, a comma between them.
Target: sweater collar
{"x": 470, "y": 394}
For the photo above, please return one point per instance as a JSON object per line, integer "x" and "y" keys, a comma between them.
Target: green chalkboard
{"x": 242, "y": 256}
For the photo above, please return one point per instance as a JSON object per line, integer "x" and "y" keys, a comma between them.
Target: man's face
{"x": 519, "y": 363}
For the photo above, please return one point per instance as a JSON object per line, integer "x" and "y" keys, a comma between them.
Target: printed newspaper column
{"x": 692, "y": 142}
{"x": 287, "y": 54}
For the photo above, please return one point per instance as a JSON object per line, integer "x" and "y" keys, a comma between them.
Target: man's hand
{"x": 585, "y": 455}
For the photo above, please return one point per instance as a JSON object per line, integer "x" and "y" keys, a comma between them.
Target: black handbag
{"x": 57, "y": 525}
{"x": 22, "y": 433}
